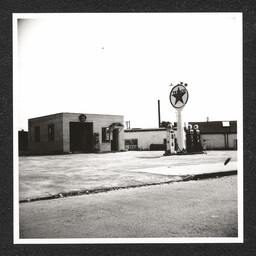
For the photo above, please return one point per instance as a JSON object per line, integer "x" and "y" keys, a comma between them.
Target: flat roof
{"x": 216, "y": 126}
{"x": 70, "y": 113}
{"x": 145, "y": 130}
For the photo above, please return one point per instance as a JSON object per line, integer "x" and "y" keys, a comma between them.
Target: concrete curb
{"x": 210, "y": 175}
{"x": 183, "y": 178}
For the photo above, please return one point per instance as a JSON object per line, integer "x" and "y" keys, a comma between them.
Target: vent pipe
{"x": 159, "y": 117}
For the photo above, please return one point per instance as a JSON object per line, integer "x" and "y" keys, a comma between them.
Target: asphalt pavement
{"x": 48, "y": 177}
{"x": 194, "y": 209}
{"x": 129, "y": 195}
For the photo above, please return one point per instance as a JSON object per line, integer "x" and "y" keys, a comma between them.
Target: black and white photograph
{"x": 128, "y": 128}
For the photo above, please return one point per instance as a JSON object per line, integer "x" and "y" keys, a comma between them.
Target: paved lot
{"x": 203, "y": 208}
{"x": 44, "y": 176}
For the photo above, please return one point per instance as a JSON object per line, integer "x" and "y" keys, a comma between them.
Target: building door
{"x": 85, "y": 141}
{"x": 114, "y": 141}
{"x": 81, "y": 137}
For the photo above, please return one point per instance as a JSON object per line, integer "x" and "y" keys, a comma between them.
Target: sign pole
{"x": 180, "y": 129}
{"x": 178, "y": 99}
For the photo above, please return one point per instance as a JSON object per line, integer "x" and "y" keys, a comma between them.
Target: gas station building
{"x": 94, "y": 133}
{"x": 74, "y": 133}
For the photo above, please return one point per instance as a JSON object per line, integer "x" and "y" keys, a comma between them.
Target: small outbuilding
{"x": 220, "y": 135}
{"x": 75, "y": 133}
{"x": 23, "y": 142}
{"x": 146, "y": 139}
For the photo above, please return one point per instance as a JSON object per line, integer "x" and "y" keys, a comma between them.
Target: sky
{"x": 123, "y": 63}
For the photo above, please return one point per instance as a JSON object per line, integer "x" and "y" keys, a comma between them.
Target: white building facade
{"x": 145, "y": 139}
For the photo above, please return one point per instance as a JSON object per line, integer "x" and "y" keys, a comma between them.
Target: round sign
{"x": 179, "y": 96}
{"x": 82, "y": 118}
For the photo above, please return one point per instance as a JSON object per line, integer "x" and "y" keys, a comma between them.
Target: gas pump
{"x": 191, "y": 133}
{"x": 170, "y": 140}
{"x": 189, "y": 138}
{"x": 96, "y": 141}
{"x": 198, "y": 146}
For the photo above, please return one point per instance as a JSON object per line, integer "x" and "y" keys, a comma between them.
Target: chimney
{"x": 127, "y": 125}
{"x": 159, "y": 118}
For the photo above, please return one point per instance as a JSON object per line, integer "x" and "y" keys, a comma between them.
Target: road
{"x": 203, "y": 208}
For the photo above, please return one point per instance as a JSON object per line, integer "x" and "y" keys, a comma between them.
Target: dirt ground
{"x": 203, "y": 208}
{"x": 43, "y": 176}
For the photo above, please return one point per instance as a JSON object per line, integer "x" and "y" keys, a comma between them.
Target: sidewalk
{"x": 191, "y": 169}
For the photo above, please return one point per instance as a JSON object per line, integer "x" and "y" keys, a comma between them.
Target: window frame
{"x": 105, "y": 132}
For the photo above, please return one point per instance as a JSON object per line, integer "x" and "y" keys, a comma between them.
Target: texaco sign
{"x": 179, "y": 96}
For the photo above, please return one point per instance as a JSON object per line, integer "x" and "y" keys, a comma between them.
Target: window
{"x": 131, "y": 144}
{"x": 105, "y": 134}
{"x": 37, "y": 133}
{"x": 51, "y": 132}
{"x": 225, "y": 124}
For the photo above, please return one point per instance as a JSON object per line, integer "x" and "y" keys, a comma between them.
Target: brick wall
{"x": 44, "y": 146}
{"x": 61, "y": 143}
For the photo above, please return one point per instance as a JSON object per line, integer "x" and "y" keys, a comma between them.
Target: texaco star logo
{"x": 179, "y": 96}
